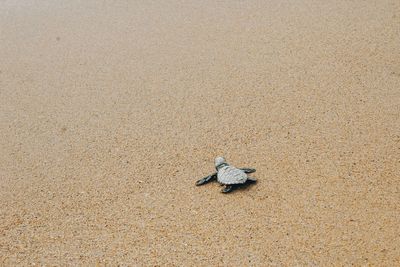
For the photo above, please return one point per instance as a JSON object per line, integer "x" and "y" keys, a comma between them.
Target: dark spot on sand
{"x": 63, "y": 129}
{"x": 58, "y": 38}
{"x": 395, "y": 73}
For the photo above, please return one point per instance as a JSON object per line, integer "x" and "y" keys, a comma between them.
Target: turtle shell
{"x": 231, "y": 175}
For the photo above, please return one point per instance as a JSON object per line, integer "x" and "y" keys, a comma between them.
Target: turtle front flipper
{"x": 248, "y": 170}
{"x": 207, "y": 179}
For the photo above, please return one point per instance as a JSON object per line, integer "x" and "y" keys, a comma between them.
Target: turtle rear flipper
{"x": 228, "y": 188}
{"x": 206, "y": 179}
{"x": 251, "y": 180}
{"x": 248, "y": 170}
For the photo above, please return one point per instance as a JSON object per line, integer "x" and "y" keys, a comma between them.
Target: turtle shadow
{"x": 243, "y": 187}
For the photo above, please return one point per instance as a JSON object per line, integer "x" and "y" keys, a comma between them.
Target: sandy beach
{"x": 111, "y": 110}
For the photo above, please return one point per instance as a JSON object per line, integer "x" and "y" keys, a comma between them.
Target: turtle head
{"x": 220, "y": 162}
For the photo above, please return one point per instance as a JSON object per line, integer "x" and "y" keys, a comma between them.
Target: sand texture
{"x": 111, "y": 110}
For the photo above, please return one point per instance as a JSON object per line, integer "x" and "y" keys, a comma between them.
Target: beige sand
{"x": 111, "y": 110}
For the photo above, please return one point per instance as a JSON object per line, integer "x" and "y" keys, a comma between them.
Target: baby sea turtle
{"x": 228, "y": 175}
